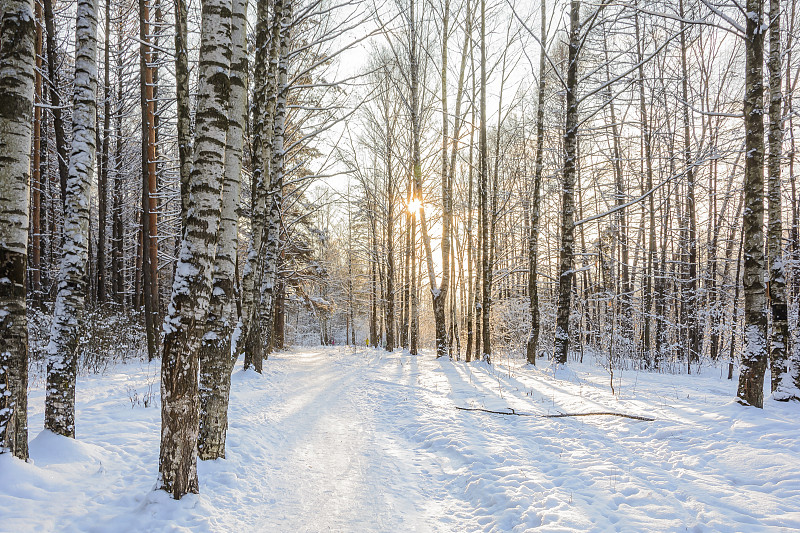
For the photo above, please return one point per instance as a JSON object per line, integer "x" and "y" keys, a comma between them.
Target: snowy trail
{"x": 335, "y": 439}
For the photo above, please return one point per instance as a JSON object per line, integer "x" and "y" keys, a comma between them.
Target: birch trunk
{"x": 784, "y": 376}
{"x": 62, "y": 356}
{"x": 37, "y": 170}
{"x": 17, "y": 72}
{"x": 754, "y": 359}
{"x": 185, "y": 323}
{"x": 566, "y": 274}
{"x": 216, "y": 350}
{"x": 282, "y": 22}
{"x": 263, "y": 117}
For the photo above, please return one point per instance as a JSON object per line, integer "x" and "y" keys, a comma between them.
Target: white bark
{"x": 186, "y": 316}
{"x": 216, "y": 353}
{"x": 62, "y": 356}
{"x": 17, "y": 66}
{"x": 263, "y": 115}
{"x": 283, "y": 14}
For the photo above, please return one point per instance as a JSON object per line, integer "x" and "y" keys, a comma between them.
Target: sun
{"x": 414, "y": 205}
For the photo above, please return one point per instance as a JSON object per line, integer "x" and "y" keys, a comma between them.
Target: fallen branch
{"x": 560, "y": 415}
{"x": 623, "y": 415}
{"x": 513, "y": 412}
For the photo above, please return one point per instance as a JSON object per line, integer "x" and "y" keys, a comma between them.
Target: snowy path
{"x": 337, "y": 440}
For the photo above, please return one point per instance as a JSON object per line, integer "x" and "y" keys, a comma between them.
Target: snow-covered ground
{"x": 334, "y": 439}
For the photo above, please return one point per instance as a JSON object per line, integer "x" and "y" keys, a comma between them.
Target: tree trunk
{"x": 149, "y": 184}
{"x": 63, "y": 358}
{"x": 216, "y": 361}
{"x": 118, "y": 238}
{"x": 471, "y": 296}
{"x": 184, "y": 120}
{"x": 102, "y": 183}
{"x": 17, "y": 80}
{"x": 691, "y": 300}
{"x": 533, "y": 239}
{"x": 647, "y": 186}
{"x": 784, "y": 380}
{"x": 282, "y": 33}
{"x": 55, "y": 99}
{"x": 390, "y": 302}
{"x": 566, "y": 274}
{"x": 266, "y": 69}
{"x": 36, "y": 185}
{"x": 185, "y": 324}
{"x": 754, "y": 358}
{"x": 412, "y": 291}
{"x": 486, "y": 267}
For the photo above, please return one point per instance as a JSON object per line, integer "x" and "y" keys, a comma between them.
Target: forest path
{"x": 343, "y": 439}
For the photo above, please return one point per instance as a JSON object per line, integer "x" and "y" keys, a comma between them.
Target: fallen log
{"x": 559, "y": 415}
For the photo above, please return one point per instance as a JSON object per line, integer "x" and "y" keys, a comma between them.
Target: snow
{"x": 363, "y": 440}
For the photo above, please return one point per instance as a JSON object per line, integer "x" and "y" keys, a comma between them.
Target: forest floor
{"x": 337, "y": 439}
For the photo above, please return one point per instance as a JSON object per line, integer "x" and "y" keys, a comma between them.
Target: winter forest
{"x": 399, "y": 265}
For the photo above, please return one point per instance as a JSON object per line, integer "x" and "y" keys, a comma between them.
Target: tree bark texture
{"x": 483, "y": 171}
{"x": 17, "y": 73}
{"x": 185, "y": 323}
{"x": 784, "y": 374}
{"x": 184, "y": 119}
{"x": 283, "y": 24}
{"x": 216, "y": 352}
{"x": 754, "y": 358}
{"x": 565, "y": 273}
{"x": 62, "y": 350}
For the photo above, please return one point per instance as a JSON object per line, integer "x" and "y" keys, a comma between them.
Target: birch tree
{"x": 216, "y": 360}
{"x": 17, "y": 72}
{"x": 754, "y": 358}
{"x": 282, "y": 22}
{"x": 191, "y": 291}
{"x": 62, "y": 355}
{"x": 784, "y": 373}
{"x": 266, "y": 64}
{"x": 566, "y": 274}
